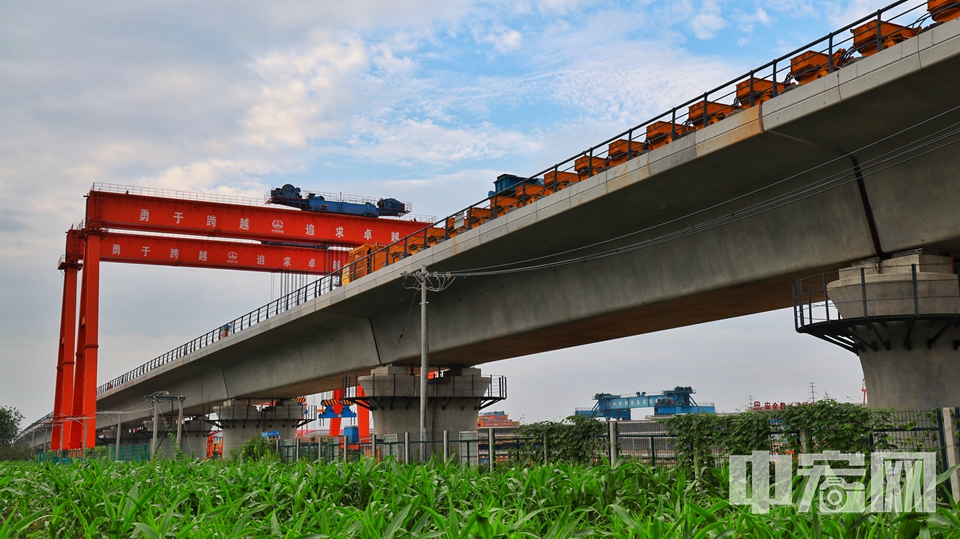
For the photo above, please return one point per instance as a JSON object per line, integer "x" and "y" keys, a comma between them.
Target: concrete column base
{"x": 393, "y": 394}
{"x": 916, "y": 377}
{"x": 241, "y": 422}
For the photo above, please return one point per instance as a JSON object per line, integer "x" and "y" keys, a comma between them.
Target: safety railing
{"x": 887, "y": 26}
{"x": 181, "y": 195}
{"x": 916, "y": 293}
{"x": 875, "y": 290}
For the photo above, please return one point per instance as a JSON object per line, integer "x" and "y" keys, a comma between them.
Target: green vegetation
{"x": 577, "y": 439}
{"x": 807, "y": 428}
{"x": 258, "y": 449}
{"x": 10, "y": 419}
{"x": 369, "y": 500}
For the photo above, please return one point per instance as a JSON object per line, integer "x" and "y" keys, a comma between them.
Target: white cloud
{"x": 762, "y": 17}
{"x": 306, "y": 95}
{"x": 706, "y": 25}
{"x": 841, "y": 13}
{"x": 502, "y": 38}
{"x": 614, "y": 93}
{"x": 412, "y": 141}
{"x": 564, "y": 6}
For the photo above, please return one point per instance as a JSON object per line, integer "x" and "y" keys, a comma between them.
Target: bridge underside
{"x": 743, "y": 267}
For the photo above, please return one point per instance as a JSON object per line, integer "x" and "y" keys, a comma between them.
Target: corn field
{"x": 390, "y": 500}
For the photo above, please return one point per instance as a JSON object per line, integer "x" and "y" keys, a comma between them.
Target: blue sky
{"x": 425, "y": 101}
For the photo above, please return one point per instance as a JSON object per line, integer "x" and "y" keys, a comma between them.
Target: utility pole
{"x": 180, "y": 425}
{"x": 156, "y": 414}
{"x": 442, "y": 281}
{"x": 117, "y": 454}
{"x": 813, "y": 392}
{"x": 424, "y": 360}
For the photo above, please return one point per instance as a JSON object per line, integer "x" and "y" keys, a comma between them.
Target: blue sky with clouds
{"x": 426, "y": 101}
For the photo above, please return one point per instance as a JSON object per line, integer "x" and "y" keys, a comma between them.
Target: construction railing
{"x": 876, "y": 291}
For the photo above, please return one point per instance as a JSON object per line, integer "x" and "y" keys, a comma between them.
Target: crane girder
{"x": 205, "y": 253}
{"x": 202, "y": 218}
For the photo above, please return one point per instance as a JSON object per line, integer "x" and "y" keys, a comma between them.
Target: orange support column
{"x": 91, "y": 267}
{"x": 63, "y": 396}
{"x": 363, "y": 418}
{"x": 71, "y": 434}
{"x": 83, "y": 433}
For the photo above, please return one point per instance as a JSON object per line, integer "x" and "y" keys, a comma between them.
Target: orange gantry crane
{"x": 112, "y": 210}
{"x": 260, "y": 238}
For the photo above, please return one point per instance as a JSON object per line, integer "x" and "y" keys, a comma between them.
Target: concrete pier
{"x": 454, "y": 400}
{"x": 904, "y": 316}
{"x": 192, "y": 443}
{"x": 242, "y": 421}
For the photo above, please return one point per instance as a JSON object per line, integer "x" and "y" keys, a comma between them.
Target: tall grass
{"x": 390, "y": 500}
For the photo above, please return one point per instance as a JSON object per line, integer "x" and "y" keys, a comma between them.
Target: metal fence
{"x": 469, "y": 448}
{"x": 129, "y": 453}
{"x": 649, "y": 443}
{"x": 743, "y": 92}
{"x": 646, "y": 442}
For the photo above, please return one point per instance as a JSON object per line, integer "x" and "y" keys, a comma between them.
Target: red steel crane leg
{"x": 69, "y": 425}
{"x": 335, "y": 422}
{"x": 83, "y": 431}
{"x": 63, "y": 397}
{"x": 363, "y": 418}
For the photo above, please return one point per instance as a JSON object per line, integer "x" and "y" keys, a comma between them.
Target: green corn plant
{"x": 388, "y": 499}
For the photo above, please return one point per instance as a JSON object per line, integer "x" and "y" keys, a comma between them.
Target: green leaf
{"x": 147, "y": 531}
{"x": 625, "y": 516}
{"x": 397, "y": 522}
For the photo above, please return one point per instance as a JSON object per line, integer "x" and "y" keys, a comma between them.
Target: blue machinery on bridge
{"x": 678, "y": 400}
{"x": 288, "y": 195}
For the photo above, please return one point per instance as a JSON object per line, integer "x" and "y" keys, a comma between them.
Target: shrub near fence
{"x": 576, "y": 439}
{"x": 703, "y": 439}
